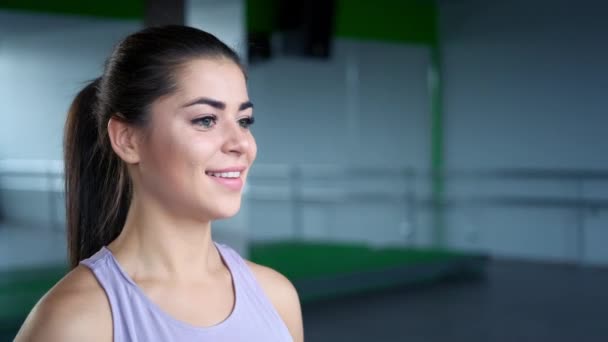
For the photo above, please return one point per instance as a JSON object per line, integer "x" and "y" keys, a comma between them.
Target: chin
{"x": 225, "y": 211}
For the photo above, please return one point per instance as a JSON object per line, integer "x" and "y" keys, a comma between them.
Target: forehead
{"x": 220, "y": 79}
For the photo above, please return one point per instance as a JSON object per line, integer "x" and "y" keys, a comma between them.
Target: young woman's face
{"x": 198, "y": 148}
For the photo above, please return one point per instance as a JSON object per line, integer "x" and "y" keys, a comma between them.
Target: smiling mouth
{"x": 230, "y": 179}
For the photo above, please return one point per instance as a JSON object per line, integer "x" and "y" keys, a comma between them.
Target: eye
{"x": 246, "y": 122}
{"x": 205, "y": 121}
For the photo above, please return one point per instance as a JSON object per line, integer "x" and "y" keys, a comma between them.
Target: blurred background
{"x": 427, "y": 170}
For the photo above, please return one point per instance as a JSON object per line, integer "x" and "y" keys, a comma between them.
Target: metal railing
{"x": 294, "y": 183}
{"x": 39, "y": 176}
{"x": 414, "y": 200}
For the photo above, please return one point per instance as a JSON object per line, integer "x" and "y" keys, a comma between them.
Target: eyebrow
{"x": 216, "y": 104}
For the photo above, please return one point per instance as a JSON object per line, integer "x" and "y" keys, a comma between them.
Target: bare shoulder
{"x": 75, "y": 309}
{"x": 283, "y": 296}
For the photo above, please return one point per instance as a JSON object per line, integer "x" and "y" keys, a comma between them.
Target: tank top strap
{"x": 113, "y": 285}
{"x": 239, "y": 268}
{"x": 251, "y": 291}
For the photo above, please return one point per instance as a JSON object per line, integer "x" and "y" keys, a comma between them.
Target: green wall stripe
{"x": 118, "y": 9}
{"x": 437, "y": 147}
{"x": 410, "y": 22}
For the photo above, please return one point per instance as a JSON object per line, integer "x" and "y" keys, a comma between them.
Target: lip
{"x": 229, "y": 169}
{"x": 234, "y": 184}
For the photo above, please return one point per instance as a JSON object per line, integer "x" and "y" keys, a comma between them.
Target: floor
{"x": 518, "y": 301}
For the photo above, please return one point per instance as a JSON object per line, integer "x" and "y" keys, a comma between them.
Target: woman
{"x": 156, "y": 149}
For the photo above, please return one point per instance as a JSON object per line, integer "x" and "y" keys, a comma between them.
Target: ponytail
{"x": 97, "y": 186}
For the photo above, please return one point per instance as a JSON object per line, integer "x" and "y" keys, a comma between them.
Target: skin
{"x": 166, "y": 245}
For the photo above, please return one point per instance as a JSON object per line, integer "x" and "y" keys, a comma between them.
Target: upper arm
{"x": 283, "y": 296}
{"x": 50, "y": 321}
{"x": 69, "y": 312}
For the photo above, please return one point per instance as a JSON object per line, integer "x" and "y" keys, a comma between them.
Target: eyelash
{"x": 247, "y": 122}
{"x": 244, "y": 122}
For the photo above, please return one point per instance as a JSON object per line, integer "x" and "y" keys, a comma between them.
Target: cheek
{"x": 160, "y": 159}
{"x": 167, "y": 157}
{"x": 190, "y": 154}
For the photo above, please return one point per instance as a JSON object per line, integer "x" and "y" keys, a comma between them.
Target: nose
{"x": 237, "y": 139}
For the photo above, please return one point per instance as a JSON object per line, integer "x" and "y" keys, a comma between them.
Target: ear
{"x": 124, "y": 140}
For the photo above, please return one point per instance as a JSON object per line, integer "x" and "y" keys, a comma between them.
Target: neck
{"x": 155, "y": 244}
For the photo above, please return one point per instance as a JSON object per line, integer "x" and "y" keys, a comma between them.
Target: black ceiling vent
{"x": 306, "y": 27}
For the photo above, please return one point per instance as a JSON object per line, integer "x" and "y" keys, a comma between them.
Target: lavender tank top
{"x": 136, "y": 318}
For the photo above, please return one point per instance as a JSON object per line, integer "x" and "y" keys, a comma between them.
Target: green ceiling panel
{"x": 407, "y": 21}
{"x": 261, "y": 15}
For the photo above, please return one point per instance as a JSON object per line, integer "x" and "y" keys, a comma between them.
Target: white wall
{"x": 366, "y": 106}
{"x": 44, "y": 61}
{"x": 222, "y": 18}
{"x": 525, "y": 87}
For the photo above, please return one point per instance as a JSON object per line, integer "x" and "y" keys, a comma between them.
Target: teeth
{"x": 226, "y": 174}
